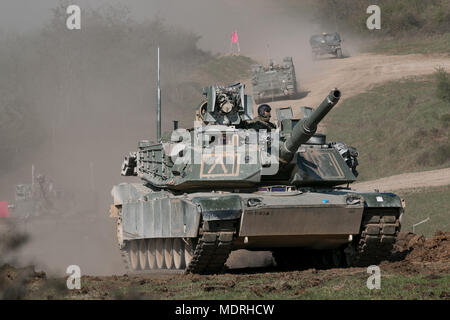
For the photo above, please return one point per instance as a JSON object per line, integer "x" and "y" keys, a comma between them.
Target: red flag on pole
{"x": 4, "y": 212}
{"x": 234, "y": 37}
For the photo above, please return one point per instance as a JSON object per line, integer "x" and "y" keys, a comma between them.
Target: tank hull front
{"x": 309, "y": 219}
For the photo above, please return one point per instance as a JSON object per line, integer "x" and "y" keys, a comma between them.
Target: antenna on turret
{"x": 158, "y": 112}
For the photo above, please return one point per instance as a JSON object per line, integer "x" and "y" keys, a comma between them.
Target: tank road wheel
{"x": 159, "y": 244}
{"x": 189, "y": 248}
{"x": 143, "y": 261}
{"x": 337, "y": 258}
{"x": 133, "y": 253}
{"x": 151, "y": 253}
{"x": 178, "y": 253}
{"x": 168, "y": 252}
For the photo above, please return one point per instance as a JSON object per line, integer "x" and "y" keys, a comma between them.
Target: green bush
{"x": 445, "y": 119}
{"x": 442, "y": 84}
{"x": 442, "y": 154}
{"x": 436, "y": 157}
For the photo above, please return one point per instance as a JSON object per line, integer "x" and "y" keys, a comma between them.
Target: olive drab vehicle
{"x": 222, "y": 186}
{"x": 274, "y": 81}
{"x": 326, "y": 43}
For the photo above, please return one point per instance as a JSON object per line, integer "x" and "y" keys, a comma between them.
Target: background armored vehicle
{"x": 327, "y": 43}
{"x": 40, "y": 198}
{"x": 274, "y": 81}
{"x": 24, "y": 202}
{"x": 222, "y": 186}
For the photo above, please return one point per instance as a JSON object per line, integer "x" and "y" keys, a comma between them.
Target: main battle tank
{"x": 222, "y": 186}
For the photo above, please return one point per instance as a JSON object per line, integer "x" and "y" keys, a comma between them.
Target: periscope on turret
{"x": 221, "y": 186}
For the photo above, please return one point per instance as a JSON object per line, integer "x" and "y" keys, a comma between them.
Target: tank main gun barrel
{"x": 307, "y": 127}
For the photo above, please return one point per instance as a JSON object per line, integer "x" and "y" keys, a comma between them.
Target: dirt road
{"x": 354, "y": 75}
{"x": 412, "y": 180}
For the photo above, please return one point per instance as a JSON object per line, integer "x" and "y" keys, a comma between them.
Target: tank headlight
{"x": 353, "y": 199}
{"x": 254, "y": 202}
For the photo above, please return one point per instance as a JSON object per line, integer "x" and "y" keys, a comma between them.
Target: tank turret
{"x": 223, "y": 150}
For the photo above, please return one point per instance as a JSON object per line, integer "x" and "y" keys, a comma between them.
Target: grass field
{"x": 397, "y": 127}
{"x": 433, "y": 203}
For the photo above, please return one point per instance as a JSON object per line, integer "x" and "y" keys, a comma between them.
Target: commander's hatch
{"x": 286, "y": 121}
{"x": 282, "y": 114}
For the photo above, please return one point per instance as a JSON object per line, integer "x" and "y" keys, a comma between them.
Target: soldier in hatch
{"x": 262, "y": 121}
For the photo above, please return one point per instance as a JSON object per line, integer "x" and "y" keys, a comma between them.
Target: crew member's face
{"x": 266, "y": 114}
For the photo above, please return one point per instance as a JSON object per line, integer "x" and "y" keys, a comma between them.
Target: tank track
{"x": 211, "y": 253}
{"x": 375, "y": 242}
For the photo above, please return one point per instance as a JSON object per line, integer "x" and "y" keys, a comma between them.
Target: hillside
{"x": 407, "y": 26}
{"x": 399, "y": 18}
{"x": 399, "y": 126}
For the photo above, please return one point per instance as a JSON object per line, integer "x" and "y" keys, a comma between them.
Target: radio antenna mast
{"x": 158, "y": 112}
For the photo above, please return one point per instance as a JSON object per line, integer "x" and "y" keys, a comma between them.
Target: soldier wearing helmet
{"x": 262, "y": 121}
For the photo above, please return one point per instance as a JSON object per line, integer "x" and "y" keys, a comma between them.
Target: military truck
{"x": 221, "y": 186}
{"x": 326, "y": 43}
{"x": 274, "y": 81}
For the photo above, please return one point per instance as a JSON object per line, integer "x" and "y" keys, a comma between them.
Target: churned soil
{"x": 416, "y": 254}
{"x": 412, "y": 255}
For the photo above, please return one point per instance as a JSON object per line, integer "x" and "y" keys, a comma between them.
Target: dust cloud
{"x": 73, "y": 103}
